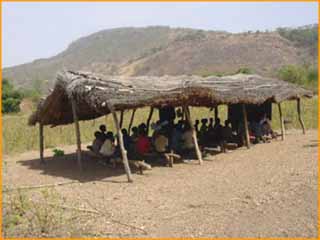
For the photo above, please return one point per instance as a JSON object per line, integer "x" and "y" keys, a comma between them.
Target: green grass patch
{"x": 19, "y": 137}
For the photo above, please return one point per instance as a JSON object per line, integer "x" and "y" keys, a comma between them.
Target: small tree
{"x": 11, "y": 98}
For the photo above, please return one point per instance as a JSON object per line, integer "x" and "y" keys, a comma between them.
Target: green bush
{"x": 10, "y": 105}
{"x": 303, "y": 75}
{"x": 11, "y": 98}
{"x": 57, "y": 152}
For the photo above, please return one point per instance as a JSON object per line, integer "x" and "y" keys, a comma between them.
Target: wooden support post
{"x": 121, "y": 119}
{"x": 283, "y": 132}
{"x": 131, "y": 120}
{"x": 121, "y": 144}
{"x": 149, "y": 119}
{"x": 77, "y": 128}
{"x": 194, "y": 134}
{"x": 183, "y": 114}
{"x": 245, "y": 123}
{"x": 299, "y": 115}
{"x": 216, "y": 113}
{"x": 41, "y": 141}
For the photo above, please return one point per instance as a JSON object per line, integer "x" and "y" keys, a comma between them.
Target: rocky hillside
{"x": 164, "y": 50}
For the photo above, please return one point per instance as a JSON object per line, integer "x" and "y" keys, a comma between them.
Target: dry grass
{"x": 18, "y": 137}
{"x": 42, "y": 214}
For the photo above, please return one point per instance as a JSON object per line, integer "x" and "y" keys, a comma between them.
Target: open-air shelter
{"x": 79, "y": 96}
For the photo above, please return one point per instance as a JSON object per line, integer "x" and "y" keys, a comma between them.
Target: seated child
{"x": 143, "y": 143}
{"x": 161, "y": 143}
{"x": 103, "y": 131}
{"x": 107, "y": 149}
{"x": 97, "y": 142}
{"x": 187, "y": 138}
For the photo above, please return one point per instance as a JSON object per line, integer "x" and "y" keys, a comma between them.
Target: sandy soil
{"x": 269, "y": 190}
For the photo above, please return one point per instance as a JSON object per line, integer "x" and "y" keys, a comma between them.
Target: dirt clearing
{"x": 269, "y": 190}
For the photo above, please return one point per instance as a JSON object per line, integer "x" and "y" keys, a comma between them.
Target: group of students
{"x": 165, "y": 137}
{"x": 175, "y": 137}
{"x": 104, "y": 142}
{"x": 260, "y": 129}
{"x": 213, "y": 132}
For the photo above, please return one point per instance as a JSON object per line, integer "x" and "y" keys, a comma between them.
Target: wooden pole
{"x": 216, "y": 113}
{"x": 149, "y": 119}
{"x": 183, "y": 114}
{"x": 77, "y": 128}
{"x": 121, "y": 119}
{"x": 121, "y": 144}
{"x": 245, "y": 123}
{"x": 281, "y": 122}
{"x": 194, "y": 134}
{"x": 299, "y": 115}
{"x": 41, "y": 141}
{"x": 131, "y": 120}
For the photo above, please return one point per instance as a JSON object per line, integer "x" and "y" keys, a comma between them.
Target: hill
{"x": 163, "y": 50}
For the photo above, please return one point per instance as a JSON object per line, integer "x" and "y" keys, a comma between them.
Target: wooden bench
{"x": 139, "y": 164}
{"x": 171, "y": 157}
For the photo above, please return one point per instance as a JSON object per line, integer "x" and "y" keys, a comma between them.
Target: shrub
{"x": 11, "y": 98}
{"x": 306, "y": 76}
{"x": 57, "y": 152}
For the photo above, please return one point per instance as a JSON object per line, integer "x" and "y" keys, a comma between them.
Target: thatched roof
{"x": 94, "y": 93}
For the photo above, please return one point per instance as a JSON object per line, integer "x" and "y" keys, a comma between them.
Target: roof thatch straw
{"x": 94, "y": 93}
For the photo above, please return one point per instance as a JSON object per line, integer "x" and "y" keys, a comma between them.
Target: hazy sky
{"x": 40, "y": 30}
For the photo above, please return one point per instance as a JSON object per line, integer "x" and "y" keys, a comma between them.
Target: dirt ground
{"x": 269, "y": 190}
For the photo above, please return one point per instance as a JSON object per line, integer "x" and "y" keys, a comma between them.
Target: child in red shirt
{"x": 143, "y": 143}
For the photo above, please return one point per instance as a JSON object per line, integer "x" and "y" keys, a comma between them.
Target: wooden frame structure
{"x": 299, "y": 116}
{"x": 283, "y": 131}
{"x": 121, "y": 144}
{"x": 246, "y": 127}
{"x": 75, "y": 97}
{"x": 149, "y": 119}
{"x": 216, "y": 113}
{"x": 194, "y": 134}
{"x": 131, "y": 120}
{"x": 187, "y": 115}
{"x": 77, "y": 129}
{"x": 41, "y": 143}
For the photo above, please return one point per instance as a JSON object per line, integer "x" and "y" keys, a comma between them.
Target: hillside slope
{"x": 164, "y": 50}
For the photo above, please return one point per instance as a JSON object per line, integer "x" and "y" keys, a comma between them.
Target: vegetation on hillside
{"x": 303, "y": 36}
{"x": 164, "y": 50}
{"x": 306, "y": 76}
{"x": 303, "y": 75}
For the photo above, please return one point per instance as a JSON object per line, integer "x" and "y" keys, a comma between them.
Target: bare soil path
{"x": 269, "y": 190}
